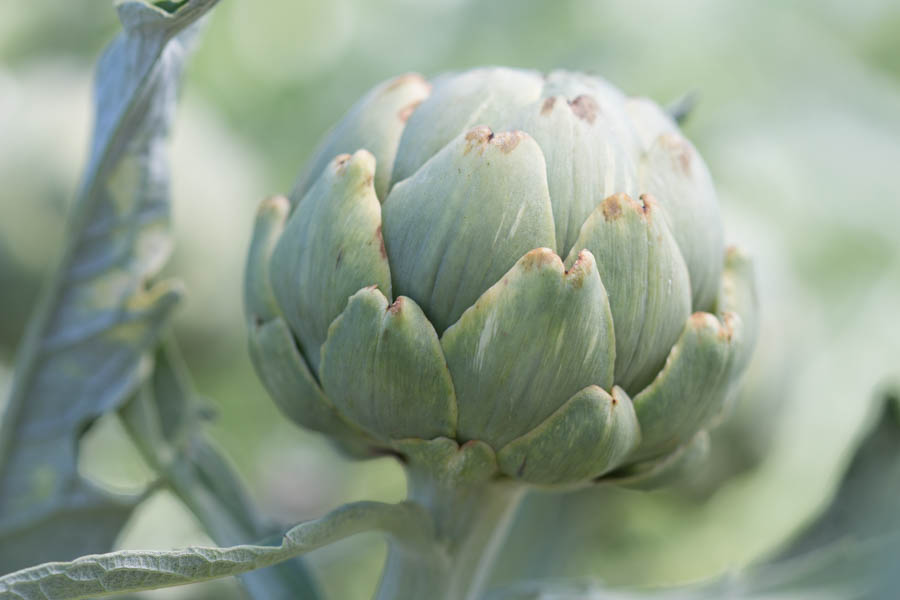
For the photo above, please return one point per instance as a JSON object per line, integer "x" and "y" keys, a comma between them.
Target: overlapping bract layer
{"x": 533, "y": 264}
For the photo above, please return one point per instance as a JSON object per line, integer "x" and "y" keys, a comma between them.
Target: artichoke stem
{"x": 471, "y": 521}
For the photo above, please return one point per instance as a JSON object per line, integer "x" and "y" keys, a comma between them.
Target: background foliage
{"x": 798, "y": 119}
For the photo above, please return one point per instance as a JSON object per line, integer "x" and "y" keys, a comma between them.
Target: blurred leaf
{"x": 86, "y": 347}
{"x": 863, "y": 517}
{"x": 135, "y": 570}
{"x": 865, "y": 505}
{"x": 163, "y": 421}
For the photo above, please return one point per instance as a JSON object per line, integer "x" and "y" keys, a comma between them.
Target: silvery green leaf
{"x": 87, "y": 517}
{"x": 135, "y": 570}
{"x": 162, "y": 420}
{"x": 86, "y": 347}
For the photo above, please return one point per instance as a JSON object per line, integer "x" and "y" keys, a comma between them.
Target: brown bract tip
{"x": 340, "y": 163}
{"x": 506, "y": 141}
{"x": 380, "y": 238}
{"x": 647, "y": 204}
{"x": 277, "y": 204}
{"x": 481, "y": 136}
{"x": 580, "y": 269}
{"x": 404, "y": 79}
{"x": 612, "y": 206}
{"x": 723, "y": 329}
{"x": 618, "y": 395}
{"x": 539, "y": 257}
{"x": 404, "y": 113}
{"x": 547, "y": 107}
{"x": 397, "y": 305}
{"x": 729, "y": 320}
{"x": 585, "y": 107}
{"x": 702, "y": 319}
{"x": 478, "y": 136}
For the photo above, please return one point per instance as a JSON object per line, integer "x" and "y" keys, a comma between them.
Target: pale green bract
{"x": 534, "y": 264}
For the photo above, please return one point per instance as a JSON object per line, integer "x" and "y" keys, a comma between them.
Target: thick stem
{"x": 472, "y": 523}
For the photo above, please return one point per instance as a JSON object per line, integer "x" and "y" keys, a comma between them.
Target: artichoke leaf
{"x": 739, "y": 306}
{"x": 383, "y": 368}
{"x": 738, "y": 296}
{"x": 259, "y": 297}
{"x": 646, "y": 279}
{"x": 290, "y": 382}
{"x": 532, "y": 340}
{"x": 589, "y": 156}
{"x": 674, "y": 173}
{"x": 331, "y": 248}
{"x": 665, "y": 470}
{"x": 375, "y": 123}
{"x": 690, "y": 389}
{"x": 589, "y": 435}
{"x": 458, "y": 102}
{"x": 451, "y": 463}
{"x": 465, "y": 218}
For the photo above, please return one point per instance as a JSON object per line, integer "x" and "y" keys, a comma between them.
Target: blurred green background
{"x": 798, "y": 119}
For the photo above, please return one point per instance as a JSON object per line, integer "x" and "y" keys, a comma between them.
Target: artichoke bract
{"x": 514, "y": 273}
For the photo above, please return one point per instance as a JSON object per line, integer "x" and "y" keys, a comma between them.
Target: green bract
{"x": 528, "y": 268}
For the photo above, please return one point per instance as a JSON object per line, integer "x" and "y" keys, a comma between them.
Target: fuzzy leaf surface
{"x": 135, "y": 570}
{"x": 86, "y": 349}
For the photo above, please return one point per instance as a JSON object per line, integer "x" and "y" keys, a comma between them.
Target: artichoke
{"x": 516, "y": 274}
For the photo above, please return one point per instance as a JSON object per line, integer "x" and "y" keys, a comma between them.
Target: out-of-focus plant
{"x": 90, "y": 346}
{"x": 594, "y": 342}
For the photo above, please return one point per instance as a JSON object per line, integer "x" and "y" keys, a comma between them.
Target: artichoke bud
{"x": 503, "y": 275}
